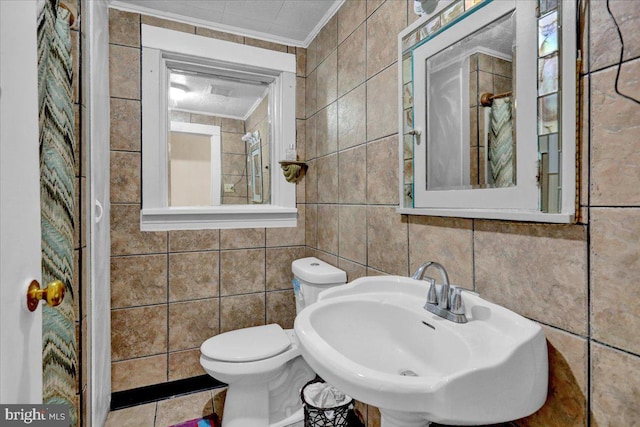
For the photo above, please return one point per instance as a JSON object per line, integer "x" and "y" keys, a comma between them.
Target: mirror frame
{"x": 520, "y": 202}
{"x": 160, "y": 45}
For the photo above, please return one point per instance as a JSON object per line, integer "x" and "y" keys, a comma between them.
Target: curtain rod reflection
{"x": 487, "y": 98}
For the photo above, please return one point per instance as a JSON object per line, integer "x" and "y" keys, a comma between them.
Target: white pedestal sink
{"x": 373, "y": 340}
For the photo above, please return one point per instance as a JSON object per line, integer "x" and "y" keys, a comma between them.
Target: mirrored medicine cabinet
{"x": 216, "y": 117}
{"x": 487, "y": 111}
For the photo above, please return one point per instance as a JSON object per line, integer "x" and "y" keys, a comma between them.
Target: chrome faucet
{"x": 419, "y": 274}
{"x": 449, "y": 305}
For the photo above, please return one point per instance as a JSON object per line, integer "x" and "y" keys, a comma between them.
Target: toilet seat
{"x": 247, "y": 345}
{"x": 227, "y": 371}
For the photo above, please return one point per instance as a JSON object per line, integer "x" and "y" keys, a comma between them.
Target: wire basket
{"x": 337, "y": 416}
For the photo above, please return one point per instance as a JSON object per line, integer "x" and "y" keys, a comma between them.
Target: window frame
{"x": 160, "y": 45}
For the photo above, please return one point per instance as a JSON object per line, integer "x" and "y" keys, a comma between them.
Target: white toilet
{"x": 262, "y": 365}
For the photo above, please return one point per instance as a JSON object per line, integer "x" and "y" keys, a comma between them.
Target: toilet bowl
{"x": 262, "y": 365}
{"x": 259, "y": 364}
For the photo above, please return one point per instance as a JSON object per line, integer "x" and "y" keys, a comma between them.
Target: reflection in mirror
{"x": 470, "y": 119}
{"x": 256, "y": 182}
{"x": 237, "y": 88}
{"x": 256, "y": 175}
{"x": 480, "y": 171}
{"x": 194, "y": 162}
{"x": 238, "y": 107}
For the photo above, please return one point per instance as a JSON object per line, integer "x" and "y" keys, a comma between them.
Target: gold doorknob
{"x": 53, "y": 294}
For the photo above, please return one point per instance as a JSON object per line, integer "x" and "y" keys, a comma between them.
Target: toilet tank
{"x": 312, "y": 276}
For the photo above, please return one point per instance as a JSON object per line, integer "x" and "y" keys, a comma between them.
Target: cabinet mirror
{"x": 487, "y": 111}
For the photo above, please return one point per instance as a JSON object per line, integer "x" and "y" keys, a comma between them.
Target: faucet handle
{"x": 432, "y": 296}
{"x": 455, "y": 301}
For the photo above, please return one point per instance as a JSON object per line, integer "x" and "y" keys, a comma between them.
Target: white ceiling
{"x": 290, "y": 22}
{"x": 215, "y": 94}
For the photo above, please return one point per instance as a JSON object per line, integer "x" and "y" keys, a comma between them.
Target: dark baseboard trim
{"x": 154, "y": 393}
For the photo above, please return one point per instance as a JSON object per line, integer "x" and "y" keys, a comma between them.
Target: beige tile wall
{"x": 578, "y": 280}
{"x": 170, "y": 291}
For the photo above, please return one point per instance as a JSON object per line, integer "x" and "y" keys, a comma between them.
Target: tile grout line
{"x": 587, "y": 116}
{"x": 219, "y": 284}
{"x": 155, "y": 413}
{"x": 264, "y": 277}
{"x": 168, "y": 297}
{"x": 365, "y": 81}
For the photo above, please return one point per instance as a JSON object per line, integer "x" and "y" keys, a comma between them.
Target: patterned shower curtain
{"x": 501, "y": 160}
{"x": 57, "y": 203}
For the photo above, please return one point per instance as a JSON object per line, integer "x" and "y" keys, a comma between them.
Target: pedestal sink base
{"x": 391, "y": 418}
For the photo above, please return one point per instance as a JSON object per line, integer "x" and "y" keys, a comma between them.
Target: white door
{"x": 20, "y": 329}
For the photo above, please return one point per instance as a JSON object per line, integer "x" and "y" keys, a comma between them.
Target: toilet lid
{"x": 246, "y": 345}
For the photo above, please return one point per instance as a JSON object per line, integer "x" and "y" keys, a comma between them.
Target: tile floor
{"x": 179, "y": 409}
{"x": 183, "y": 408}
{"x": 172, "y": 411}
{"x": 169, "y": 412}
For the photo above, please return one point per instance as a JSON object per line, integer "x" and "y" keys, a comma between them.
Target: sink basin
{"x": 373, "y": 340}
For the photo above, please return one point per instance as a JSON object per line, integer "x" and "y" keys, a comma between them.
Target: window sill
{"x": 219, "y": 217}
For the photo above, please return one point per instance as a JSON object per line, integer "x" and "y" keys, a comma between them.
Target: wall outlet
{"x": 228, "y": 188}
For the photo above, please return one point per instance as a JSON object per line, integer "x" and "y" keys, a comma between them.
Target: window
{"x": 167, "y": 53}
